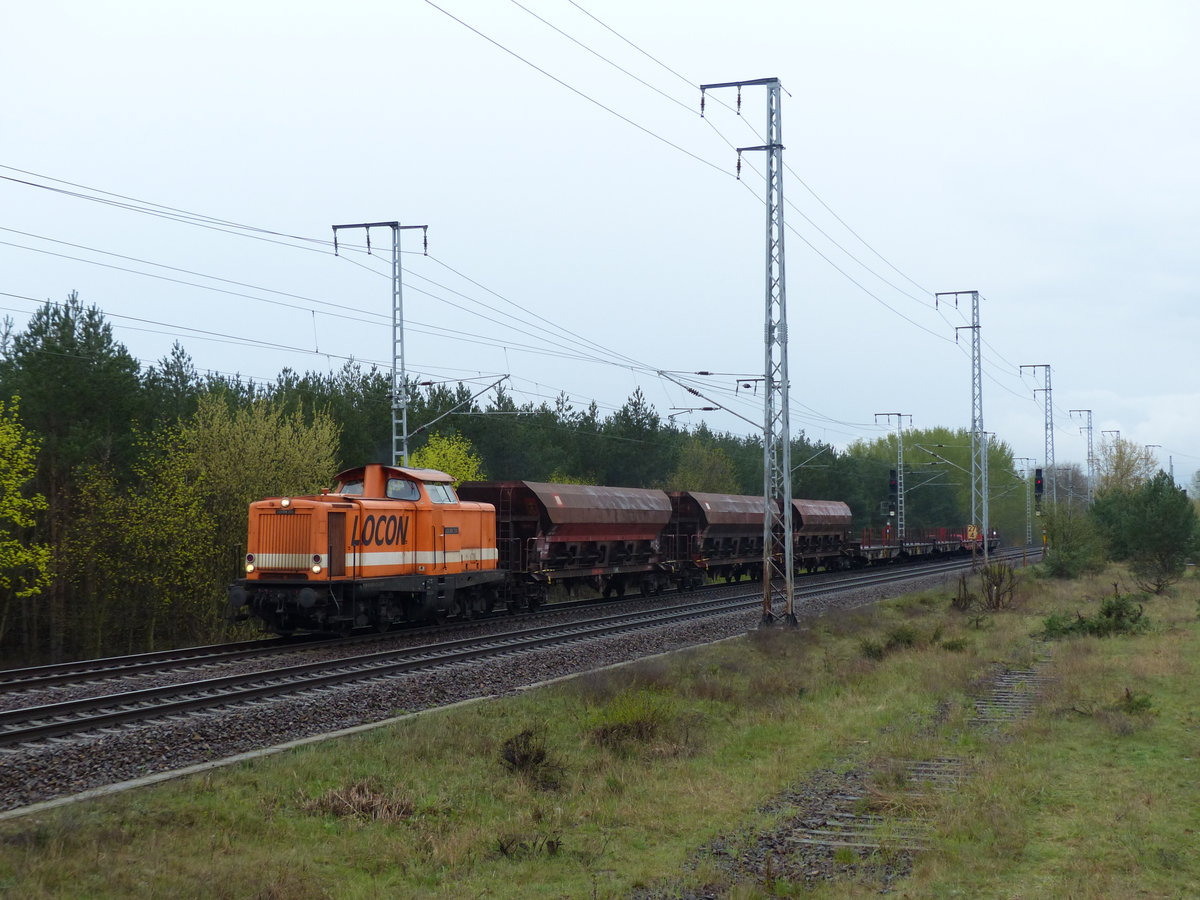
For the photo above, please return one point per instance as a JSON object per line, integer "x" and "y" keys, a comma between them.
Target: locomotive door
{"x": 451, "y": 545}
{"x": 447, "y": 542}
{"x": 337, "y": 544}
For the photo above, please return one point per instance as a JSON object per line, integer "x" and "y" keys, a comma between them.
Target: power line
{"x": 147, "y": 262}
{"x": 379, "y": 316}
{"x": 147, "y": 203}
{"x": 787, "y": 167}
{"x": 600, "y": 56}
{"x": 789, "y": 203}
{"x": 576, "y": 90}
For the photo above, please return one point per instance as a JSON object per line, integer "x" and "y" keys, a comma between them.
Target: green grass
{"x": 614, "y": 780}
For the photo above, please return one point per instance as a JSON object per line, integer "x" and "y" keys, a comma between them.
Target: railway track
{"x": 95, "y": 714}
{"x": 138, "y": 663}
{"x": 90, "y": 670}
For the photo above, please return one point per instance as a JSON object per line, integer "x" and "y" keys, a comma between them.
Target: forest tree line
{"x": 124, "y": 488}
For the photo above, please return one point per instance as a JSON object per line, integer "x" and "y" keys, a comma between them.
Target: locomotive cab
{"x": 384, "y": 545}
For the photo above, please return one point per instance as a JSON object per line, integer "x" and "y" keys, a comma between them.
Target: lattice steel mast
{"x": 778, "y": 573}
{"x": 979, "y": 438}
{"x": 399, "y": 376}
{"x": 1030, "y": 462}
{"x": 1048, "y": 396}
{"x": 1091, "y": 459}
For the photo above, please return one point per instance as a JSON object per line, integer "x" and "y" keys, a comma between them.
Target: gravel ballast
{"x": 34, "y": 773}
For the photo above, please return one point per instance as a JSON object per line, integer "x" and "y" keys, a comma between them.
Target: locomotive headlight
{"x": 249, "y": 568}
{"x": 316, "y": 570}
{"x": 285, "y": 502}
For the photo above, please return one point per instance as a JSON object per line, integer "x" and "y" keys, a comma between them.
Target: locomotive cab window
{"x": 439, "y": 492}
{"x": 348, "y": 487}
{"x": 403, "y": 489}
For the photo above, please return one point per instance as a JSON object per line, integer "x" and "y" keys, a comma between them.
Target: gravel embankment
{"x": 34, "y": 773}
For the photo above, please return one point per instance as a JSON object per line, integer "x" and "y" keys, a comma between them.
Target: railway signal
{"x": 896, "y": 476}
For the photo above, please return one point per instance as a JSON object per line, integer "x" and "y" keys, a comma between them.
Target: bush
{"x": 1153, "y": 526}
{"x": 1074, "y": 547}
{"x": 898, "y": 638}
{"x": 631, "y": 717}
{"x": 963, "y": 600}
{"x": 999, "y": 583}
{"x": 527, "y": 755}
{"x": 1119, "y": 614}
{"x": 513, "y": 845}
{"x": 901, "y": 636}
{"x": 872, "y": 649}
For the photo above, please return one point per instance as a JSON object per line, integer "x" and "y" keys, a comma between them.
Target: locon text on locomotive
{"x": 380, "y": 530}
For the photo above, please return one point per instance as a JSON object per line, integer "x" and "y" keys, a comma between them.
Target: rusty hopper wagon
{"x": 821, "y": 534}
{"x": 607, "y": 538}
{"x": 719, "y": 535}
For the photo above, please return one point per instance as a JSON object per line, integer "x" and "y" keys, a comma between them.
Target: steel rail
{"x": 116, "y": 666}
{"x": 36, "y": 677}
{"x": 86, "y": 714}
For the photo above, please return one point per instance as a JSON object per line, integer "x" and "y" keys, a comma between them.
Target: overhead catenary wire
{"x": 575, "y": 90}
{"x": 649, "y": 368}
{"x": 377, "y": 317}
{"x": 204, "y": 334}
{"x": 213, "y": 220}
{"x": 926, "y": 301}
{"x": 818, "y": 418}
{"x": 794, "y": 207}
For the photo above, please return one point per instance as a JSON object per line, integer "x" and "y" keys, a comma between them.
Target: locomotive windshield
{"x": 440, "y": 492}
{"x": 403, "y": 489}
{"x": 348, "y": 487}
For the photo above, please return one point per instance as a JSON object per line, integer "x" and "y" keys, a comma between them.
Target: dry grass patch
{"x": 364, "y": 801}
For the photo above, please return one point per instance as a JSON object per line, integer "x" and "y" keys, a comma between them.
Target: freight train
{"x": 389, "y": 545}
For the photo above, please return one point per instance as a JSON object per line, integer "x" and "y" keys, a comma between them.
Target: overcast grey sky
{"x": 1043, "y": 153}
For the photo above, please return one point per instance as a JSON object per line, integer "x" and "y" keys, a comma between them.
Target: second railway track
{"x": 91, "y": 714}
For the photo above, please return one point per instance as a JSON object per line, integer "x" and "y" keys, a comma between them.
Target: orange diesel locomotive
{"x": 384, "y": 545}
